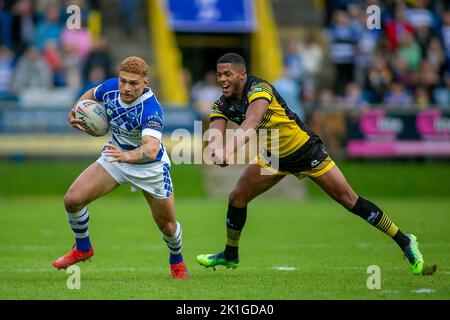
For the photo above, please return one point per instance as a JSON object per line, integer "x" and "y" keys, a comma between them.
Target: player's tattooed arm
{"x": 146, "y": 152}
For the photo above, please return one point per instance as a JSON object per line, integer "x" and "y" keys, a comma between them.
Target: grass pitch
{"x": 310, "y": 249}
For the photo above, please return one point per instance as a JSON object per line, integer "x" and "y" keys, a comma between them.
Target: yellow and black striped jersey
{"x": 293, "y": 133}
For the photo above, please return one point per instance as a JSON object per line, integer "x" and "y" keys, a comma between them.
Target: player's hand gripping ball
{"x": 94, "y": 117}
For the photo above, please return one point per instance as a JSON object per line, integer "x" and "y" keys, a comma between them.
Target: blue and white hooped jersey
{"x": 130, "y": 122}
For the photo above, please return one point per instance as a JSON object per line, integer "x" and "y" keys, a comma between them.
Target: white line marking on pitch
{"x": 423, "y": 290}
{"x": 284, "y": 268}
{"x": 92, "y": 270}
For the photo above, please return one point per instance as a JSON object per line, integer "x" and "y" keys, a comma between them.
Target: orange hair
{"x": 135, "y": 65}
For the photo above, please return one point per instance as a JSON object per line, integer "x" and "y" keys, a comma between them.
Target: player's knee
{"x": 73, "y": 203}
{"x": 168, "y": 228}
{"x": 348, "y": 199}
{"x": 237, "y": 199}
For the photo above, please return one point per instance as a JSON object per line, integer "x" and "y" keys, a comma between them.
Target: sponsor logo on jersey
{"x": 255, "y": 90}
{"x": 136, "y": 134}
{"x": 154, "y": 122}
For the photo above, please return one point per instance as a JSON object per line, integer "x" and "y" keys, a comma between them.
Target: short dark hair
{"x": 232, "y": 58}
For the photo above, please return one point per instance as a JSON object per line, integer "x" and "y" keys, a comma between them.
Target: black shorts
{"x": 311, "y": 159}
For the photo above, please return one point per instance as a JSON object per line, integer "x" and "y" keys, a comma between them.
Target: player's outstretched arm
{"x": 74, "y": 122}
{"x": 216, "y": 134}
{"x": 146, "y": 152}
{"x": 255, "y": 113}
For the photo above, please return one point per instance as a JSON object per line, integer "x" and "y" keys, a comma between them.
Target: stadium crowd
{"x": 40, "y": 58}
{"x": 404, "y": 64}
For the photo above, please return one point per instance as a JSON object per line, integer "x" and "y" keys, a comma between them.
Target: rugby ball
{"x": 94, "y": 117}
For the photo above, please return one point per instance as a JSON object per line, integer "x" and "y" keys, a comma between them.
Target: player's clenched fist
{"x": 218, "y": 158}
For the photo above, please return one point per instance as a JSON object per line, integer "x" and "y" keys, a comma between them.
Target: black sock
{"x": 236, "y": 218}
{"x": 376, "y": 217}
{"x": 401, "y": 239}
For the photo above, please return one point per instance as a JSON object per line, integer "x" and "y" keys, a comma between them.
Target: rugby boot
{"x": 219, "y": 259}
{"x": 74, "y": 256}
{"x": 178, "y": 271}
{"x": 415, "y": 258}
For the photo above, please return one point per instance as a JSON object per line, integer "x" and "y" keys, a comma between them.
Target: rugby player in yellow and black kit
{"x": 299, "y": 150}
{"x": 254, "y": 104}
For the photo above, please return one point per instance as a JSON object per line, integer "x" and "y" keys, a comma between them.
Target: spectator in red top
{"x": 398, "y": 28}
{"x": 55, "y": 62}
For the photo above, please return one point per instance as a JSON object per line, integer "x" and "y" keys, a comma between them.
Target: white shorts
{"x": 151, "y": 177}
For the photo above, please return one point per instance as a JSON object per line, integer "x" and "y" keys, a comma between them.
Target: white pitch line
{"x": 423, "y": 290}
{"x": 157, "y": 246}
{"x": 81, "y": 267}
{"x": 54, "y": 248}
{"x": 285, "y": 268}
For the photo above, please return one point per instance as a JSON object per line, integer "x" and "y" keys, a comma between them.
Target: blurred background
{"x": 376, "y": 88}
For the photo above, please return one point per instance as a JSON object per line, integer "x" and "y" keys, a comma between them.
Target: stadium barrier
{"x": 373, "y": 133}
{"x": 380, "y": 133}
{"x": 45, "y": 132}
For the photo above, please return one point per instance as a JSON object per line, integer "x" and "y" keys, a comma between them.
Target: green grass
{"x": 329, "y": 248}
{"x": 25, "y": 178}
{"x": 394, "y": 179}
